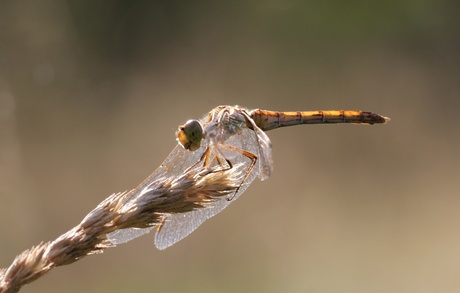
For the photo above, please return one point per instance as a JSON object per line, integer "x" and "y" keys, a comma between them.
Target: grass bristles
{"x": 193, "y": 189}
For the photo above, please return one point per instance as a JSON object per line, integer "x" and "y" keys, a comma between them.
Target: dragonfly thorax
{"x": 190, "y": 135}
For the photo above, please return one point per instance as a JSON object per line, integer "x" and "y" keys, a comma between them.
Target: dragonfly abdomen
{"x": 267, "y": 120}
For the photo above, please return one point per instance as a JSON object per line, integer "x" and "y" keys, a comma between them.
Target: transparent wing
{"x": 264, "y": 150}
{"x": 175, "y": 164}
{"x": 125, "y": 235}
{"x": 265, "y": 154}
{"x": 178, "y": 226}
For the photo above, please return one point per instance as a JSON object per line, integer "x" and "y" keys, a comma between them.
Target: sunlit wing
{"x": 264, "y": 149}
{"x": 265, "y": 155}
{"x": 125, "y": 235}
{"x": 178, "y": 226}
{"x": 174, "y": 165}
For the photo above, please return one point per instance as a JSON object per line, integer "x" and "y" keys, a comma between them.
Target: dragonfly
{"x": 226, "y": 137}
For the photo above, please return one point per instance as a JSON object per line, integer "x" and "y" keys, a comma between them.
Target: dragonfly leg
{"x": 219, "y": 160}
{"x": 204, "y": 158}
{"x": 207, "y": 160}
{"x": 247, "y": 154}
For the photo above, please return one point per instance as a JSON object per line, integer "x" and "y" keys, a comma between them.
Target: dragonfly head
{"x": 190, "y": 135}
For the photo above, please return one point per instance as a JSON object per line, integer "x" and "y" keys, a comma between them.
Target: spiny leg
{"x": 247, "y": 154}
{"x": 219, "y": 160}
{"x": 204, "y": 158}
{"x": 207, "y": 160}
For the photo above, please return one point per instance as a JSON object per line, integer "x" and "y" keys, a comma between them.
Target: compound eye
{"x": 190, "y": 135}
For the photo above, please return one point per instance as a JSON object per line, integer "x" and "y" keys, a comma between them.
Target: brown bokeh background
{"x": 91, "y": 95}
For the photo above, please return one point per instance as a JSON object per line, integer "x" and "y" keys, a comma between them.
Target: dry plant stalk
{"x": 193, "y": 189}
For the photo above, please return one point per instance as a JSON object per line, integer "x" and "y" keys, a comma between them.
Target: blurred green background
{"x": 91, "y": 93}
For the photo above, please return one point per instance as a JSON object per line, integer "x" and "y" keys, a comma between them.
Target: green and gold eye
{"x": 190, "y": 135}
